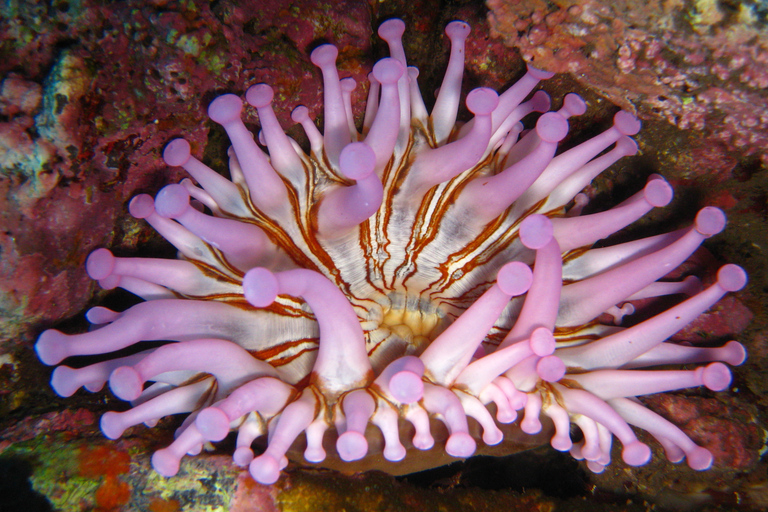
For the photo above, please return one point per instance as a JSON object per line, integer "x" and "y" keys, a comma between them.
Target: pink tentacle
{"x": 167, "y": 460}
{"x": 575, "y": 232}
{"x": 336, "y": 131}
{"x": 578, "y": 180}
{"x": 447, "y": 102}
{"x": 578, "y": 401}
{"x": 452, "y": 350}
{"x": 244, "y": 244}
{"x": 346, "y": 207}
{"x": 65, "y": 381}
{"x": 227, "y": 361}
{"x": 281, "y": 153}
{"x": 267, "y": 189}
{"x": 266, "y": 396}
{"x": 165, "y": 319}
{"x": 509, "y": 184}
{"x": 482, "y": 372}
{"x": 224, "y": 192}
{"x": 178, "y": 400}
{"x": 607, "y": 384}
{"x": 142, "y": 206}
{"x": 732, "y": 353}
{"x": 434, "y": 166}
{"x": 382, "y": 134}
{"x": 358, "y": 407}
{"x": 618, "y": 349}
{"x": 669, "y": 435}
{"x": 438, "y": 400}
{"x": 296, "y": 417}
{"x": 541, "y": 303}
{"x": 570, "y": 161}
{"x": 615, "y": 285}
{"x": 342, "y": 360}
{"x": 392, "y": 31}
{"x": 402, "y": 379}
{"x": 301, "y": 115}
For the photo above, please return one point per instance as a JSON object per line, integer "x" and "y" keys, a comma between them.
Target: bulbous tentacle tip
{"x": 626, "y": 123}
{"x": 699, "y": 459}
{"x": 100, "y": 264}
{"x": 586, "y": 451}
{"x": 710, "y": 221}
{"x": 110, "y": 425}
{"x": 406, "y": 387}
{"x": 141, "y": 206}
{"x": 550, "y": 368}
{"x": 514, "y": 278}
{"x": 561, "y": 442}
{"x": 63, "y": 381}
{"x": 357, "y": 160}
{"x": 539, "y": 74}
{"x": 260, "y": 287}
{"x": 542, "y": 342}
{"x": 225, "y": 109}
{"x": 395, "y": 453}
{"x": 492, "y": 437}
{"x": 552, "y": 127}
{"x": 314, "y": 454}
{"x": 126, "y": 383}
{"x": 265, "y": 469}
{"x": 460, "y": 444}
{"x": 165, "y": 462}
{"x": 392, "y": 29}
{"x": 626, "y": 146}
{"x": 595, "y": 467}
{"x": 212, "y": 423}
{"x": 242, "y": 456}
{"x": 536, "y": 231}
{"x": 348, "y": 84}
{"x": 636, "y": 453}
{"x": 110, "y": 282}
{"x": 388, "y": 71}
{"x": 482, "y": 101}
{"x": 731, "y": 277}
{"x": 506, "y": 416}
{"x": 735, "y": 353}
{"x": 324, "y": 55}
{"x": 423, "y": 441}
{"x": 716, "y": 377}
{"x": 457, "y": 30}
{"x": 172, "y": 201}
{"x": 574, "y": 104}
{"x": 177, "y": 152}
{"x": 351, "y": 446}
{"x": 541, "y": 101}
{"x": 299, "y": 114}
{"x": 259, "y": 95}
{"x": 658, "y": 192}
{"x": 51, "y": 347}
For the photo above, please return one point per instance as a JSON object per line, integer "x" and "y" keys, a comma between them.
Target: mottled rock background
{"x": 91, "y": 91}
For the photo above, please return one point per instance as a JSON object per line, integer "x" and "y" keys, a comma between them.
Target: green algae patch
{"x": 56, "y": 472}
{"x": 203, "y": 484}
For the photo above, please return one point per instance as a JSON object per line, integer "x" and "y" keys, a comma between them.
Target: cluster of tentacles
{"x": 384, "y": 279}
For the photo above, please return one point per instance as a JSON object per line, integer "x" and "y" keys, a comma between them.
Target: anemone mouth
{"x": 414, "y": 319}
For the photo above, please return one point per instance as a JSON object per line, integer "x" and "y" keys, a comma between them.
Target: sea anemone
{"x": 377, "y": 292}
